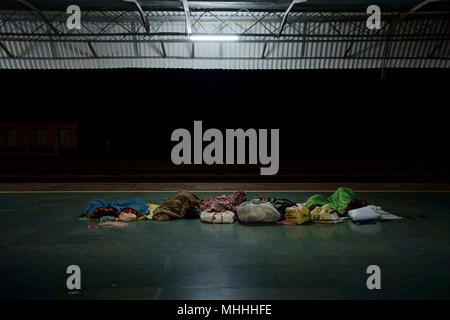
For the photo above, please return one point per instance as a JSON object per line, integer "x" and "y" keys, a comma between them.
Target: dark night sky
{"x": 327, "y": 114}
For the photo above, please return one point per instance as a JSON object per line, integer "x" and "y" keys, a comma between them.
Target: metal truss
{"x": 244, "y": 23}
{"x": 161, "y": 28}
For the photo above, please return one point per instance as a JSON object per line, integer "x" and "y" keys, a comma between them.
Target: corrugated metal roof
{"x": 303, "y": 45}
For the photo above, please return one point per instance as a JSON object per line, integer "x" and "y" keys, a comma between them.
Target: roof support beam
{"x": 163, "y": 50}
{"x": 268, "y": 16}
{"x": 263, "y": 55}
{"x": 376, "y": 41}
{"x": 392, "y": 25}
{"x": 187, "y": 15}
{"x": 53, "y": 48}
{"x": 137, "y": 50}
{"x": 283, "y": 22}
{"x": 347, "y": 37}
{"x": 420, "y": 5}
{"x": 141, "y": 12}
{"x": 435, "y": 49}
{"x": 92, "y": 49}
{"x": 8, "y": 53}
{"x": 40, "y": 14}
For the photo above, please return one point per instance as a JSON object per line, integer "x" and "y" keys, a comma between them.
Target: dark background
{"x": 327, "y": 119}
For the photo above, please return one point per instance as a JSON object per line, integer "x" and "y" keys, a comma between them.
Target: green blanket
{"x": 338, "y": 200}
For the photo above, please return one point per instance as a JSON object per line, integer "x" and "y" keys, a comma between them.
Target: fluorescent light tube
{"x": 213, "y": 38}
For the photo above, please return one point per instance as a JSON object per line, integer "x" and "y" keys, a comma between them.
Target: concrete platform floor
{"x": 40, "y": 236}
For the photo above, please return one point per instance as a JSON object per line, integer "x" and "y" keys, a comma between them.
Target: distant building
{"x": 38, "y": 137}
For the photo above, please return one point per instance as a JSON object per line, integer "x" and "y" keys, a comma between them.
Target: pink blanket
{"x": 113, "y": 224}
{"x": 224, "y": 202}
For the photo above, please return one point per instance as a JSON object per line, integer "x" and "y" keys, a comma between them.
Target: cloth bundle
{"x": 298, "y": 214}
{"x": 257, "y": 210}
{"x": 217, "y": 217}
{"x": 280, "y": 204}
{"x": 177, "y": 206}
{"x": 224, "y": 202}
{"x": 325, "y": 214}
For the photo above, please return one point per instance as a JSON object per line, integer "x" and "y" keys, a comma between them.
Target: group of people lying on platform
{"x": 227, "y": 208}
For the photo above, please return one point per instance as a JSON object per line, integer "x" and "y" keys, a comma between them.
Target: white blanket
{"x": 217, "y": 217}
{"x": 371, "y": 213}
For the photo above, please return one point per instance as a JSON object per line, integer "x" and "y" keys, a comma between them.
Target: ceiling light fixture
{"x": 213, "y": 38}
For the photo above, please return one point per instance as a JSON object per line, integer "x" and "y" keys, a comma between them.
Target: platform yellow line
{"x": 218, "y": 191}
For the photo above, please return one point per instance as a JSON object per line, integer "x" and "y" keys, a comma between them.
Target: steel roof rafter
{"x": 187, "y": 15}
{"x": 6, "y": 50}
{"x": 36, "y": 11}
{"x": 392, "y": 25}
{"x": 145, "y": 22}
{"x": 286, "y": 14}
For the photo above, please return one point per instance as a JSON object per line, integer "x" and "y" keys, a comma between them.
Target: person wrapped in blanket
{"x": 182, "y": 205}
{"x": 221, "y": 208}
{"x": 333, "y": 209}
{"x": 123, "y": 210}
